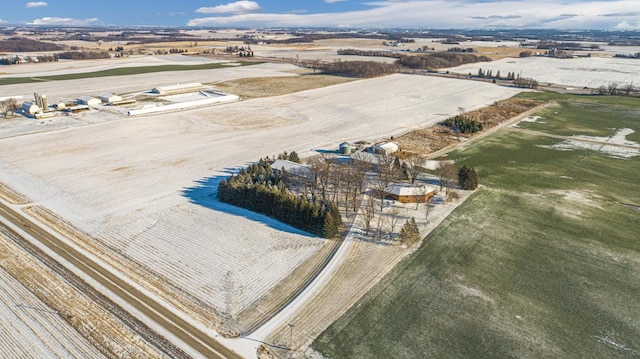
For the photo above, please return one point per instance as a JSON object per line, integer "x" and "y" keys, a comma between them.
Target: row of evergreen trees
{"x": 489, "y": 75}
{"x": 261, "y": 189}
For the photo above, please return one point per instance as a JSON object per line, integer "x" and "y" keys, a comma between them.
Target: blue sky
{"x": 558, "y": 14}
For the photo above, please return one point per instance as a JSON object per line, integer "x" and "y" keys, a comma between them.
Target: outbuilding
{"x": 109, "y": 98}
{"x": 178, "y": 88}
{"x": 386, "y": 148}
{"x": 89, "y": 101}
{"x": 30, "y": 108}
{"x": 346, "y": 148}
{"x": 409, "y": 193}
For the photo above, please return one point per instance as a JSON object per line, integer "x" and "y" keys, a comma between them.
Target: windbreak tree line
{"x": 260, "y": 189}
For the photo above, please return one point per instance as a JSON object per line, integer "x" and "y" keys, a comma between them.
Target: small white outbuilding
{"x": 386, "y": 148}
{"x": 109, "y": 98}
{"x": 89, "y": 101}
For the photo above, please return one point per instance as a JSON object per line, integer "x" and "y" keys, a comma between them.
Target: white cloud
{"x": 333, "y": 1}
{"x": 63, "y": 21}
{"x": 2, "y": 21}
{"x": 450, "y": 14}
{"x": 37, "y": 4}
{"x": 238, "y": 7}
{"x": 624, "y": 25}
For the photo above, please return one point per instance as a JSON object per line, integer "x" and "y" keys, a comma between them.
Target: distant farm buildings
{"x": 179, "y": 88}
{"x": 409, "y": 193}
{"x": 109, "y": 98}
{"x": 89, "y": 101}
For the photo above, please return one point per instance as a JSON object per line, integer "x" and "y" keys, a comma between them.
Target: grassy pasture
{"x": 544, "y": 262}
{"x": 121, "y": 71}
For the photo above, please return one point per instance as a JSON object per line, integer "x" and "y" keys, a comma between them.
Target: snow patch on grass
{"x": 532, "y": 119}
{"x": 616, "y": 146}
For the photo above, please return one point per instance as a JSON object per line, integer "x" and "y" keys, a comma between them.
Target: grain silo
{"x": 345, "y": 148}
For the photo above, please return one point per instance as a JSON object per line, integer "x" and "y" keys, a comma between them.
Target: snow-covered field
{"x": 145, "y": 186}
{"x": 72, "y": 89}
{"x": 29, "y": 329}
{"x": 63, "y": 67}
{"x": 590, "y": 72}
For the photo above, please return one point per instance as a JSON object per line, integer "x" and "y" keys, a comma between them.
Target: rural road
{"x": 176, "y": 325}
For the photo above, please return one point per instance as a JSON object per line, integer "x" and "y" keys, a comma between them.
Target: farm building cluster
{"x": 163, "y": 99}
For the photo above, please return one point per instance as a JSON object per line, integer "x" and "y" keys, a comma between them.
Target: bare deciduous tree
{"x": 393, "y": 216}
{"x": 415, "y": 164}
{"x": 4, "y": 108}
{"x": 427, "y": 208}
{"x": 386, "y": 176}
{"x": 447, "y": 173}
{"x": 321, "y": 169}
{"x": 369, "y": 211}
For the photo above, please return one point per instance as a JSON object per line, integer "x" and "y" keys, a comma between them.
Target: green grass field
{"x": 543, "y": 262}
{"x": 122, "y": 71}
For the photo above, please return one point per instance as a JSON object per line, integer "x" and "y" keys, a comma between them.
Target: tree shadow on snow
{"x": 205, "y": 193}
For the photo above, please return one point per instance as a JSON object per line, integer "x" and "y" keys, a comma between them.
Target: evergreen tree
{"x": 409, "y": 233}
{"x": 468, "y": 178}
{"x": 293, "y": 157}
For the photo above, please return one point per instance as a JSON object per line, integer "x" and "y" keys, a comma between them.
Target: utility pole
{"x": 290, "y": 339}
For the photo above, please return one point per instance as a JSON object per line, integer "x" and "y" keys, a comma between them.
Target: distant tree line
{"x": 628, "y": 56}
{"x": 363, "y": 69}
{"x": 440, "y": 60}
{"x": 461, "y": 49}
{"x": 615, "y": 89}
{"x": 425, "y": 61}
{"x": 261, "y": 189}
{"x": 83, "y": 55}
{"x": 524, "y": 82}
{"x": 374, "y": 53}
{"x": 567, "y": 46}
{"x": 21, "y": 44}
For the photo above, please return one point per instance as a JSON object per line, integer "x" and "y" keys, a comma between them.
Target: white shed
{"x": 89, "y": 101}
{"x": 178, "y": 88}
{"x": 109, "y": 98}
{"x": 386, "y": 148}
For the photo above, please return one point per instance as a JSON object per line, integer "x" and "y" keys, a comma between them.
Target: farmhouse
{"x": 386, "y": 148}
{"x": 408, "y": 193}
{"x": 89, "y": 101}
{"x": 179, "y": 88}
{"x": 293, "y": 168}
{"x": 109, "y": 98}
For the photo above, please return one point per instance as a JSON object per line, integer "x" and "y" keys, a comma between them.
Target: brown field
{"x": 498, "y": 53}
{"x": 248, "y": 88}
{"x": 437, "y": 137}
